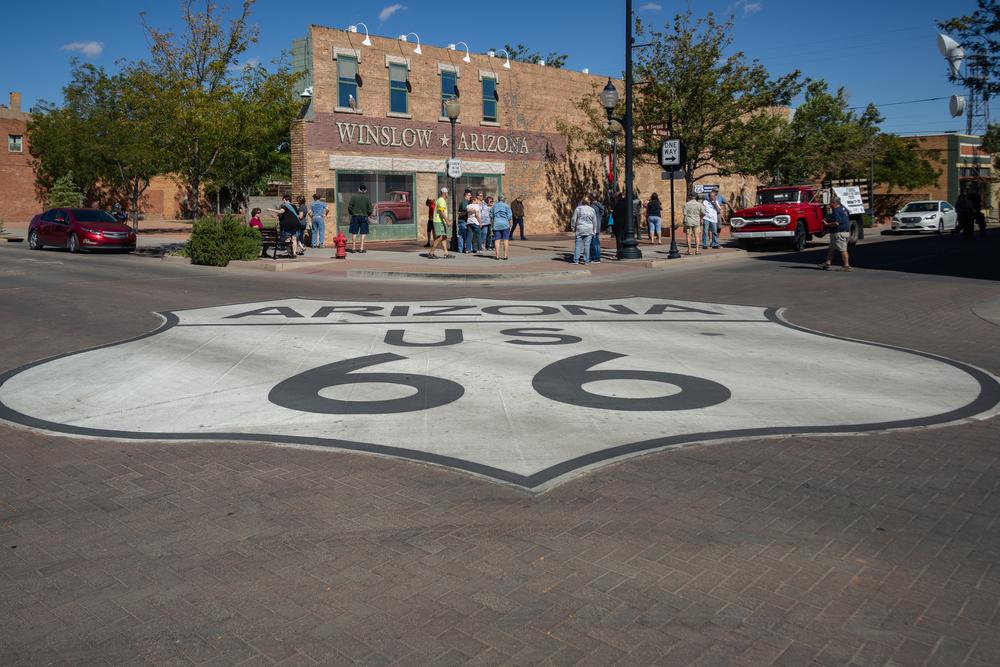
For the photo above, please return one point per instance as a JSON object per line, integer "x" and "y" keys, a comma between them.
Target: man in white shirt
{"x": 710, "y": 224}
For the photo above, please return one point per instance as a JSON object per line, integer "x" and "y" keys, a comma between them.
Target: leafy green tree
{"x": 725, "y": 109}
{"x": 60, "y": 144}
{"x": 523, "y": 54}
{"x": 203, "y": 93}
{"x": 64, "y": 193}
{"x": 899, "y": 163}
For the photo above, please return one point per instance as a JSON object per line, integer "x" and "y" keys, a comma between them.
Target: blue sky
{"x": 882, "y": 52}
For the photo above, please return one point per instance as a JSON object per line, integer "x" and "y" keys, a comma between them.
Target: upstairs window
{"x": 347, "y": 82}
{"x": 449, "y": 88}
{"x": 489, "y": 99}
{"x": 15, "y": 143}
{"x": 398, "y": 95}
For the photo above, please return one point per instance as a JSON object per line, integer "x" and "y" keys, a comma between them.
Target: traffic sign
{"x": 454, "y": 168}
{"x": 671, "y": 153}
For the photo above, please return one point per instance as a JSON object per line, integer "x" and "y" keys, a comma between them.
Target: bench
{"x": 270, "y": 237}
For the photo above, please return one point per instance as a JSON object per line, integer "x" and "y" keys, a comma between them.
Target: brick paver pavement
{"x": 869, "y": 550}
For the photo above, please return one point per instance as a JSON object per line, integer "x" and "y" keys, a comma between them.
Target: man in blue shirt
{"x": 838, "y": 226}
{"x": 501, "y": 216}
{"x": 318, "y": 210}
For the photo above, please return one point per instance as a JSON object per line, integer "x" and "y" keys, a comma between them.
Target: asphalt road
{"x": 870, "y": 549}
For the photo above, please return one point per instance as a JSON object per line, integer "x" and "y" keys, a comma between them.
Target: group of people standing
{"x": 590, "y": 216}
{"x": 482, "y": 224}
{"x": 294, "y": 220}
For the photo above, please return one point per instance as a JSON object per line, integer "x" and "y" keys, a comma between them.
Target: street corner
{"x": 522, "y": 392}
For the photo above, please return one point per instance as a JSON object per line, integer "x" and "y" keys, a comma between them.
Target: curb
{"x": 466, "y": 277}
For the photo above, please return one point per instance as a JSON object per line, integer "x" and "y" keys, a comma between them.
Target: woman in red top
{"x": 430, "y": 221}
{"x": 255, "y": 219}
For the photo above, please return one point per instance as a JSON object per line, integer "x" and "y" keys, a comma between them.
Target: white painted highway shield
{"x": 523, "y": 392}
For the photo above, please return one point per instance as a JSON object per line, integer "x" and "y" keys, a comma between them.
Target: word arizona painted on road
{"x": 471, "y": 310}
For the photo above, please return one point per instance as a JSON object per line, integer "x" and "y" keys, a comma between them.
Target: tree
{"x": 979, "y": 35}
{"x": 725, "y": 110}
{"x": 64, "y": 193}
{"x": 899, "y": 163}
{"x": 523, "y": 54}
{"x": 203, "y": 93}
{"x": 106, "y": 131}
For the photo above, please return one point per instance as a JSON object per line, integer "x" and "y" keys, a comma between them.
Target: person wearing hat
{"x": 440, "y": 226}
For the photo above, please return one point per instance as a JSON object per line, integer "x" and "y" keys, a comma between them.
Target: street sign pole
{"x": 674, "y": 253}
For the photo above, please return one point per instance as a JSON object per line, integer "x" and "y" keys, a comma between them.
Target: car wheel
{"x": 73, "y": 243}
{"x": 34, "y": 242}
{"x": 800, "y": 238}
{"x": 388, "y": 218}
{"x": 940, "y": 229}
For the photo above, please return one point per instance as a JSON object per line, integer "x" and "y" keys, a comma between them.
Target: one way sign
{"x": 671, "y": 153}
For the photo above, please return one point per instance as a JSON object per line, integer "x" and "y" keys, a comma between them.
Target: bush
{"x": 216, "y": 243}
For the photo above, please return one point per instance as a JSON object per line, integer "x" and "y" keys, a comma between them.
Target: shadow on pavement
{"x": 948, "y": 255}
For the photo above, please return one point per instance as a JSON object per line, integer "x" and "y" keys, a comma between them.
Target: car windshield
{"x": 92, "y": 215}
{"x": 778, "y": 197}
{"x": 921, "y": 207}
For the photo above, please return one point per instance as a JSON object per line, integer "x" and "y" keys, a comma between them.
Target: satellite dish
{"x": 946, "y": 45}
{"x": 956, "y": 105}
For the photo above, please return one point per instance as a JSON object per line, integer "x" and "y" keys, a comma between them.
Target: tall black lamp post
{"x": 452, "y": 107}
{"x": 609, "y": 100}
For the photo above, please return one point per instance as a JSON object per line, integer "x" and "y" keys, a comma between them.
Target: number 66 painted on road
{"x": 561, "y": 381}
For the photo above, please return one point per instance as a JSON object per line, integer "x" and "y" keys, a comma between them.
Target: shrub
{"x": 218, "y": 242}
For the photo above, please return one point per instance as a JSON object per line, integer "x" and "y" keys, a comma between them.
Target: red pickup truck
{"x": 792, "y": 212}
{"x": 397, "y": 208}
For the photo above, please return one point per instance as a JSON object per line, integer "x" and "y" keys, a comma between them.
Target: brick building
{"x": 963, "y": 168}
{"x": 17, "y": 178}
{"x": 376, "y": 116}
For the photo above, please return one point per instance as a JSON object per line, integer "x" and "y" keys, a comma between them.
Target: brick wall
{"x": 17, "y": 179}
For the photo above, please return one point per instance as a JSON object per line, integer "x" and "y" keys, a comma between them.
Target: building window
{"x": 347, "y": 82}
{"x": 398, "y": 96}
{"x": 15, "y": 143}
{"x": 449, "y": 88}
{"x": 489, "y": 99}
{"x": 391, "y": 195}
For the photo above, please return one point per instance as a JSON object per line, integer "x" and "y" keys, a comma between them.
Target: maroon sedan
{"x": 79, "y": 229}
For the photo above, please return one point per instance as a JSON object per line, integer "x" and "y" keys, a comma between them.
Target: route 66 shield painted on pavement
{"x": 527, "y": 393}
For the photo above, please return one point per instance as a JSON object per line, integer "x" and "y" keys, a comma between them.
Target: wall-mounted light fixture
{"x": 466, "y": 58}
{"x": 367, "y": 41}
{"x": 403, "y": 38}
{"x": 506, "y": 65}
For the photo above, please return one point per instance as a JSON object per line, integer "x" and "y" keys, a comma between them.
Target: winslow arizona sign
{"x": 527, "y": 393}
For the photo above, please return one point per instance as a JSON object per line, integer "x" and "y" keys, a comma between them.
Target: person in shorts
{"x": 654, "y": 219}
{"x": 288, "y": 224}
{"x": 693, "y": 214}
{"x": 502, "y": 217}
{"x": 359, "y": 208}
{"x": 838, "y": 226}
{"x": 440, "y": 226}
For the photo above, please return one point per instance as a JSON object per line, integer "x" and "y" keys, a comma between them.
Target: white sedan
{"x": 933, "y": 216}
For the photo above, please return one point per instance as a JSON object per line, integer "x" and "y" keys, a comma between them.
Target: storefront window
{"x": 488, "y": 185}
{"x": 391, "y": 195}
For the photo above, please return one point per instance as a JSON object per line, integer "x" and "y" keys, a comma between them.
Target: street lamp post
{"x": 609, "y": 100}
{"x": 452, "y": 107}
{"x": 630, "y": 246}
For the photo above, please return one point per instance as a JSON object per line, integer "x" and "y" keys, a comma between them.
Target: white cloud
{"x": 249, "y": 64}
{"x": 387, "y": 12}
{"x": 752, "y": 7}
{"x": 651, "y": 7}
{"x": 89, "y": 49}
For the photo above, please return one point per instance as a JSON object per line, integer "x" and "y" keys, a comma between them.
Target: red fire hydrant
{"x": 340, "y": 241}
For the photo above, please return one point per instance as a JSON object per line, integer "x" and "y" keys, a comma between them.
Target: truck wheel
{"x": 852, "y": 238}
{"x": 388, "y": 218}
{"x": 800, "y": 238}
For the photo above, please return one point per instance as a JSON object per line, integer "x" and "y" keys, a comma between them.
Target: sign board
{"x": 671, "y": 153}
{"x": 413, "y": 380}
{"x": 454, "y": 168}
{"x": 700, "y": 189}
{"x": 851, "y": 199}
{"x": 676, "y": 174}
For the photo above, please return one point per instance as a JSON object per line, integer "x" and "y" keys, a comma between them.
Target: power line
{"x": 894, "y": 104}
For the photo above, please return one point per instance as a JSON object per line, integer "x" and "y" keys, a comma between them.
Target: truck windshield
{"x": 921, "y": 207}
{"x": 779, "y": 196}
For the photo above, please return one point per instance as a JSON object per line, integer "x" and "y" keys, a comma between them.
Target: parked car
{"x": 79, "y": 229}
{"x": 932, "y": 216}
{"x": 396, "y": 208}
